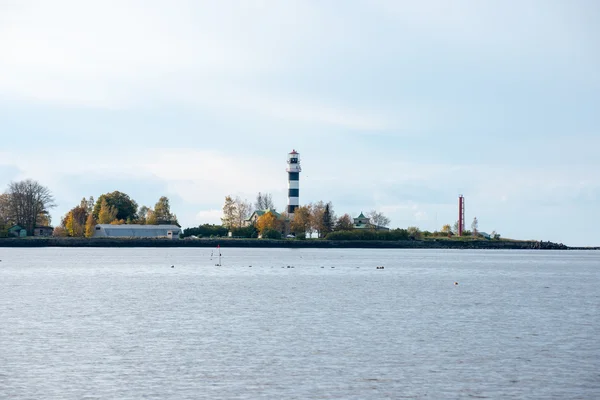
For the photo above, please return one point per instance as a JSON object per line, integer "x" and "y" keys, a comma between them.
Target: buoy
{"x": 172, "y": 266}
{"x": 455, "y": 283}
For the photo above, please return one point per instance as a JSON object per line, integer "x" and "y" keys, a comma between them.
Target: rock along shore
{"x": 266, "y": 243}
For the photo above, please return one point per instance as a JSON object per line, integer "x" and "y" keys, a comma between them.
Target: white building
{"x": 137, "y": 231}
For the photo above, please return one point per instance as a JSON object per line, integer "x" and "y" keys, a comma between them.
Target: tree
{"x": 378, "y": 219}
{"x": 28, "y": 201}
{"x": 44, "y": 219}
{"x": 90, "y": 225}
{"x": 125, "y": 207}
{"x": 446, "y": 229}
{"x": 474, "y": 226}
{"x": 142, "y": 213}
{"x": 271, "y": 234}
{"x": 106, "y": 213}
{"x": 90, "y": 205}
{"x": 327, "y": 219}
{"x": 74, "y": 221}
{"x": 5, "y": 212}
{"x": 318, "y": 210}
{"x": 162, "y": 209}
{"x": 242, "y": 212}
{"x": 264, "y": 202}
{"x": 60, "y": 231}
{"x": 344, "y": 223}
{"x": 414, "y": 232}
{"x": 265, "y": 222}
{"x": 228, "y": 212}
{"x": 151, "y": 218}
{"x": 455, "y": 228}
{"x": 301, "y": 224}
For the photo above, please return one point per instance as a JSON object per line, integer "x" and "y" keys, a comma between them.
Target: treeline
{"x": 112, "y": 208}
{"x": 314, "y": 218}
{"x": 27, "y": 204}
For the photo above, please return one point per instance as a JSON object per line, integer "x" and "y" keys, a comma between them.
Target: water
{"x": 123, "y": 324}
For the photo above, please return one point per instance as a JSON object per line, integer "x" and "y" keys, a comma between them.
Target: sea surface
{"x": 298, "y": 324}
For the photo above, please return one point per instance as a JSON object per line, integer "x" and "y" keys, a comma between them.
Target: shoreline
{"x": 270, "y": 243}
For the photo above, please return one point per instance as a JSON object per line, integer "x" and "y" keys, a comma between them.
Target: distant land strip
{"x": 269, "y": 243}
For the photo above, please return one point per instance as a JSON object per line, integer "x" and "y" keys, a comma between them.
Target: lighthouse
{"x": 293, "y": 171}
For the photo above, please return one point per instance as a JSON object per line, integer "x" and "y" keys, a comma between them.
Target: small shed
{"x": 43, "y": 231}
{"x": 17, "y": 231}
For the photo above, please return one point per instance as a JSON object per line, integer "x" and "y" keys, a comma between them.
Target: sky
{"x": 395, "y": 106}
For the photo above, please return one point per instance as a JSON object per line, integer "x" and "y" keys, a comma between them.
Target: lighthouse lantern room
{"x": 293, "y": 171}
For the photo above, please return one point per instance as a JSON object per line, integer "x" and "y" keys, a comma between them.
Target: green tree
{"x": 121, "y": 202}
{"x": 106, "y": 213}
{"x": 344, "y": 223}
{"x": 162, "y": 209}
{"x": 327, "y": 219}
{"x": 455, "y": 228}
{"x": 271, "y": 234}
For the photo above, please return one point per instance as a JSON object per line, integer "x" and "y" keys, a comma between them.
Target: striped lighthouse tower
{"x": 293, "y": 171}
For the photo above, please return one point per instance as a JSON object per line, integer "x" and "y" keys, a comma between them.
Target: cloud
{"x": 209, "y": 217}
{"x": 63, "y": 53}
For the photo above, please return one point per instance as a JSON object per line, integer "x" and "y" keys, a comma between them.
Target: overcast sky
{"x": 393, "y": 105}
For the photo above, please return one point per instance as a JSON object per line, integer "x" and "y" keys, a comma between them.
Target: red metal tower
{"x": 461, "y": 215}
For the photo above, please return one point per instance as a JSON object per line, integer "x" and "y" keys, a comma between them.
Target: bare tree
{"x": 28, "y": 202}
{"x": 316, "y": 221}
{"x": 264, "y": 202}
{"x": 228, "y": 219}
{"x": 5, "y": 213}
{"x": 378, "y": 219}
{"x": 242, "y": 211}
{"x": 474, "y": 227}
